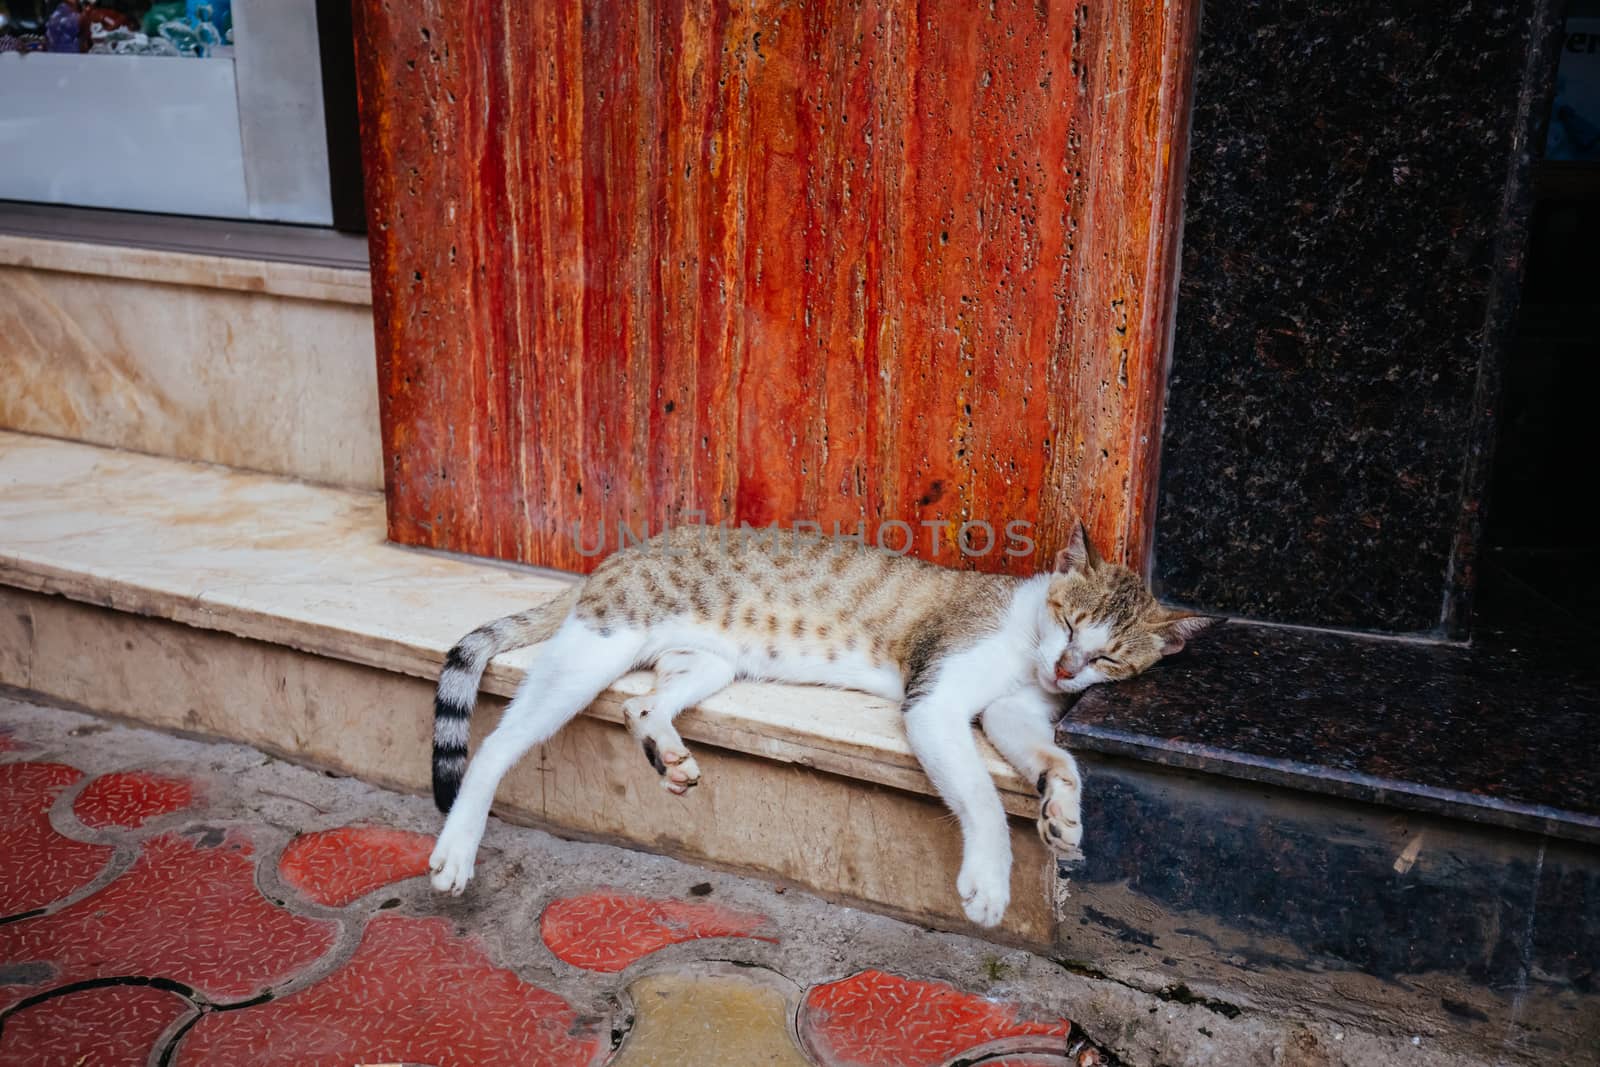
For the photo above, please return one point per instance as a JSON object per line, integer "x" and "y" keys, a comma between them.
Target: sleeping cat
{"x": 706, "y": 605}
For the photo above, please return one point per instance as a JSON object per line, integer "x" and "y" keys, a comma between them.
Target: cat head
{"x": 1098, "y": 622}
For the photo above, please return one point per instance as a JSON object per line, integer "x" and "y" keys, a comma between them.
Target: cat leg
{"x": 1021, "y": 726}
{"x": 570, "y": 671}
{"x": 939, "y": 726}
{"x": 684, "y": 677}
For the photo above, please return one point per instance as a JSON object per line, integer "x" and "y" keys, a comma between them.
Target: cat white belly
{"x": 847, "y": 670}
{"x": 782, "y": 661}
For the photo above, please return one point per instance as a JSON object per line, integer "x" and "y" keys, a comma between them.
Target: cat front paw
{"x": 985, "y": 891}
{"x": 1061, "y": 818}
{"x": 451, "y": 864}
{"x": 678, "y": 770}
{"x": 682, "y": 773}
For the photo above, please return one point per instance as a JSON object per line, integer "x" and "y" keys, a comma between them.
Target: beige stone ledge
{"x": 308, "y": 568}
{"x": 302, "y": 281}
{"x": 892, "y": 850}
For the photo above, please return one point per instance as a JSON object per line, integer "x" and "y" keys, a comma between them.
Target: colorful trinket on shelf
{"x": 66, "y": 30}
{"x": 212, "y": 22}
{"x": 219, "y": 13}
{"x": 102, "y": 20}
{"x": 160, "y": 14}
{"x": 126, "y": 42}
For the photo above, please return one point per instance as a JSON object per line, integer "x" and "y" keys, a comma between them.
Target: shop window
{"x": 216, "y": 108}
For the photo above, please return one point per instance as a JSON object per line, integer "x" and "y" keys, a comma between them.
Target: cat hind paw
{"x": 451, "y": 865}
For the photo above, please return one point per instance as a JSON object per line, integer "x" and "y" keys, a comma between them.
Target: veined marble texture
{"x": 248, "y": 379}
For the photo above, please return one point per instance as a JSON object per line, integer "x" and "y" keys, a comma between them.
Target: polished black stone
{"x": 1355, "y": 211}
{"x": 1255, "y": 894}
{"x": 1505, "y": 732}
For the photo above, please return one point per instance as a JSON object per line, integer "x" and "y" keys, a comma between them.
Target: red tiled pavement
{"x": 131, "y": 799}
{"x": 874, "y": 1019}
{"x": 38, "y": 865}
{"x": 607, "y": 931}
{"x": 115, "y": 1026}
{"x": 187, "y": 911}
{"x": 334, "y": 867}
{"x": 412, "y": 993}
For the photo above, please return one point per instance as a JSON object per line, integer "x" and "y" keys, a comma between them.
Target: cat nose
{"x": 1064, "y": 672}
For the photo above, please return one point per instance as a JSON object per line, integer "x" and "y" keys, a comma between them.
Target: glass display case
{"x": 189, "y": 107}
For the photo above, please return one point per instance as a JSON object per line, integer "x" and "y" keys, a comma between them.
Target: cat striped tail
{"x": 463, "y": 671}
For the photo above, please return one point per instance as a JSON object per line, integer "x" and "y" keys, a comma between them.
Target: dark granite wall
{"x": 1352, "y": 243}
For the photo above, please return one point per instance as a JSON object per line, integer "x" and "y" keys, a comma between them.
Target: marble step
{"x": 273, "y": 612}
{"x": 233, "y": 357}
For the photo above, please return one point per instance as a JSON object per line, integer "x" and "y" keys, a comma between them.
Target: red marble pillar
{"x": 837, "y": 261}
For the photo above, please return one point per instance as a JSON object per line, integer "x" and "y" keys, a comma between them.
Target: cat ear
{"x": 1176, "y": 627}
{"x": 1079, "y": 555}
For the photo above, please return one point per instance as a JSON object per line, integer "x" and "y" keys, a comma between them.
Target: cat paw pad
{"x": 1060, "y": 819}
{"x": 682, "y": 773}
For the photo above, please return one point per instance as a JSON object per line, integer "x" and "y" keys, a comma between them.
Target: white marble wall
{"x": 224, "y": 371}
